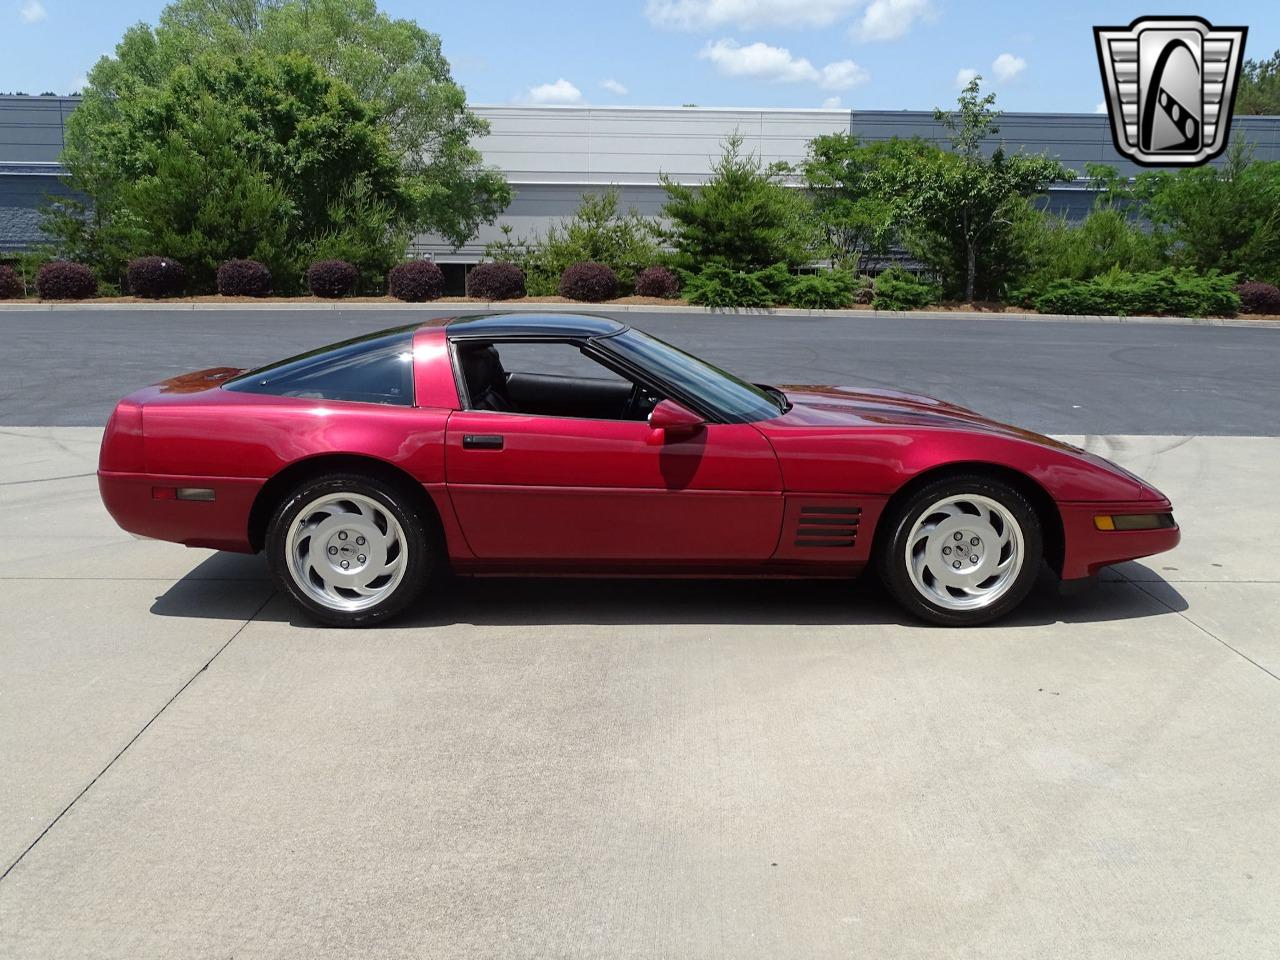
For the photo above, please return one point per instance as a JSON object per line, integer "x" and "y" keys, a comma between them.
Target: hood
{"x": 874, "y": 410}
{"x": 873, "y": 406}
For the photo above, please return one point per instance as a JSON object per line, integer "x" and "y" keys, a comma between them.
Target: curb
{"x": 449, "y": 309}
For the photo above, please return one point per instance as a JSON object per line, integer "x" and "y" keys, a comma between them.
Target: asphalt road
{"x": 68, "y": 367}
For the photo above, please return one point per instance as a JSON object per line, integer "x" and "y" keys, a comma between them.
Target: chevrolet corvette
{"x": 572, "y": 445}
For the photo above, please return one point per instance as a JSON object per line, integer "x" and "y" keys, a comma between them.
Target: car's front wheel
{"x": 350, "y": 549}
{"x": 962, "y": 551}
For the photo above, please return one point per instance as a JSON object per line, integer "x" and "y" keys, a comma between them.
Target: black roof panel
{"x": 534, "y": 325}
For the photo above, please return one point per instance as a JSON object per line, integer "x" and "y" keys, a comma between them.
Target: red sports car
{"x": 576, "y": 445}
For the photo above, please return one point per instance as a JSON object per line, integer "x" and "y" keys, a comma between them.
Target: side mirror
{"x": 675, "y": 420}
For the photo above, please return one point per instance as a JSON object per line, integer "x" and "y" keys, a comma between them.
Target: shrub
{"x": 332, "y": 279}
{"x": 744, "y": 215}
{"x": 598, "y": 232}
{"x": 657, "y": 282}
{"x": 1181, "y": 292}
{"x": 11, "y": 287}
{"x": 589, "y": 282}
{"x": 495, "y": 281}
{"x": 717, "y": 285}
{"x": 865, "y": 291}
{"x": 896, "y": 289}
{"x": 156, "y": 277}
{"x": 415, "y": 281}
{"x": 244, "y": 278}
{"x": 63, "y": 280}
{"x": 1254, "y": 298}
{"x": 828, "y": 290}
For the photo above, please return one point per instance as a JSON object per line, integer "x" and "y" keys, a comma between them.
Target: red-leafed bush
{"x": 244, "y": 278}
{"x": 495, "y": 281}
{"x": 63, "y": 280}
{"x": 156, "y": 277}
{"x": 10, "y": 284}
{"x": 332, "y": 279}
{"x": 657, "y": 282}
{"x": 1258, "y": 297}
{"x": 415, "y": 281}
{"x": 589, "y": 282}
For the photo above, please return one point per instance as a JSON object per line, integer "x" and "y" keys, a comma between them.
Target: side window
{"x": 554, "y": 359}
{"x": 376, "y": 369}
{"x": 554, "y": 379}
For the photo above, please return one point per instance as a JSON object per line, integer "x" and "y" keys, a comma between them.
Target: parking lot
{"x": 654, "y": 769}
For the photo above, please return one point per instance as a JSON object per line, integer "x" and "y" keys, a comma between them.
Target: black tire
{"x": 892, "y": 564}
{"x": 421, "y": 545}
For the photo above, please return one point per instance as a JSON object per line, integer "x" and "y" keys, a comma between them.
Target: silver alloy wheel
{"x": 965, "y": 552}
{"x": 346, "y": 551}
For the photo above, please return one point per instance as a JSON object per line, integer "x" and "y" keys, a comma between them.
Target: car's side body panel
{"x": 197, "y": 435}
{"x": 562, "y": 489}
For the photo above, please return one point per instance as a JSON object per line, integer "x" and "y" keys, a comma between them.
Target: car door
{"x": 575, "y": 489}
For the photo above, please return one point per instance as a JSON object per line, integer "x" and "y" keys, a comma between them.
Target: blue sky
{"x": 869, "y": 54}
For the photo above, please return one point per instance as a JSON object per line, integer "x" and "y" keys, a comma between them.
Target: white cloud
{"x": 776, "y": 64}
{"x": 613, "y": 86}
{"x": 1007, "y": 66}
{"x": 562, "y": 91}
{"x": 831, "y": 103}
{"x": 964, "y": 76}
{"x": 32, "y": 11}
{"x": 890, "y": 19}
{"x": 759, "y": 60}
{"x": 842, "y": 75}
{"x": 79, "y": 83}
{"x": 1101, "y": 107}
{"x": 707, "y": 14}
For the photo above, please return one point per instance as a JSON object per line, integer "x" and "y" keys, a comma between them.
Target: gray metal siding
{"x": 31, "y": 128}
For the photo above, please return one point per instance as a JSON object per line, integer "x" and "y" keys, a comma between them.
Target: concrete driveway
{"x": 637, "y": 769}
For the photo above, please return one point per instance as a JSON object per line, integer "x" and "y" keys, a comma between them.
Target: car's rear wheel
{"x": 350, "y": 550}
{"x": 962, "y": 551}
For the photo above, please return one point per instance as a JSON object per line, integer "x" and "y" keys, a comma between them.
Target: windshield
{"x": 735, "y": 400}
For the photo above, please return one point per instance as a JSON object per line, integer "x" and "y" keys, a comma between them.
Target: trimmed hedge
{"x": 415, "y": 281}
{"x": 495, "y": 280}
{"x": 589, "y": 282}
{"x": 155, "y": 278}
{"x": 11, "y": 287}
{"x": 827, "y": 290}
{"x": 1120, "y": 293}
{"x": 64, "y": 280}
{"x": 332, "y": 279}
{"x": 657, "y": 282}
{"x": 244, "y": 278}
{"x": 896, "y": 289}
{"x": 1257, "y": 297}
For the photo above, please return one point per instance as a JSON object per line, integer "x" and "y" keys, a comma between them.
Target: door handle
{"x": 481, "y": 441}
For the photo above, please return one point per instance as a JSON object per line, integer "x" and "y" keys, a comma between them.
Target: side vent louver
{"x": 828, "y": 526}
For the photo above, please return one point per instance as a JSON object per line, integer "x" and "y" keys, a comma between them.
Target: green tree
{"x": 1223, "y": 218}
{"x": 851, "y": 186}
{"x": 597, "y": 231}
{"x": 743, "y": 216}
{"x": 1111, "y": 236}
{"x": 246, "y": 156}
{"x": 961, "y": 207}
{"x": 394, "y": 67}
{"x": 1258, "y": 91}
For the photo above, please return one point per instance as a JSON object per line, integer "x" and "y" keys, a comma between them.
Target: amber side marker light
{"x": 182, "y": 493}
{"x": 1134, "y": 521}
